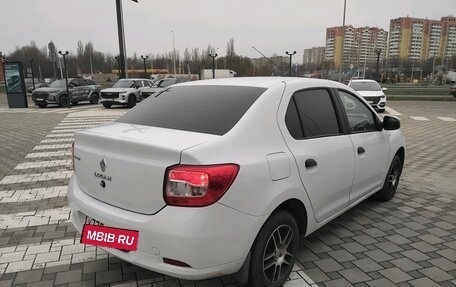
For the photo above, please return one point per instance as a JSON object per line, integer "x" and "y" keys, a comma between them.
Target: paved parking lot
{"x": 410, "y": 241}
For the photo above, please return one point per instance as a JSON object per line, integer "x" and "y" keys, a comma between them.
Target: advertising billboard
{"x": 15, "y": 85}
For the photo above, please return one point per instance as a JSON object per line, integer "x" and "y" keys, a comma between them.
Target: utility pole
{"x": 343, "y": 43}
{"x": 174, "y": 54}
{"x": 91, "y": 67}
{"x": 31, "y": 72}
{"x": 121, "y": 34}
{"x": 291, "y": 56}
{"x": 213, "y": 64}
{"x": 378, "y": 51}
{"x": 118, "y": 65}
{"x": 64, "y": 54}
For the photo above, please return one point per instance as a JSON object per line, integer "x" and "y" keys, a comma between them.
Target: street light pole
{"x": 121, "y": 34}
{"x": 378, "y": 51}
{"x": 145, "y": 69}
{"x": 213, "y": 64}
{"x": 174, "y": 54}
{"x": 64, "y": 54}
{"x": 31, "y": 71}
{"x": 343, "y": 44}
{"x": 291, "y": 56}
{"x": 118, "y": 65}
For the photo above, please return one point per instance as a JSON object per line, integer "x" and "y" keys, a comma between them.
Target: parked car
{"x": 80, "y": 90}
{"x": 37, "y": 85}
{"x": 125, "y": 92}
{"x": 159, "y": 85}
{"x": 453, "y": 90}
{"x": 372, "y": 92}
{"x": 222, "y": 176}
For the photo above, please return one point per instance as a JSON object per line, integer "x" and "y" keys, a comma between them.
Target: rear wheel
{"x": 274, "y": 251}
{"x": 94, "y": 99}
{"x": 131, "y": 101}
{"x": 107, "y": 105}
{"x": 391, "y": 181}
{"x": 64, "y": 101}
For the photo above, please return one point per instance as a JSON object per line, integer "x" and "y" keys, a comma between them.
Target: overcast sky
{"x": 272, "y": 26}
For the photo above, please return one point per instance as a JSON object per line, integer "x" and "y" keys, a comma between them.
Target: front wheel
{"x": 274, "y": 251}
{"x": 391, "y": 181}
{"x": 131, "y": 101}
{"x": 107, "y": 105}
{"x": 64, "y": 101}
{"x": 94, "y": 99}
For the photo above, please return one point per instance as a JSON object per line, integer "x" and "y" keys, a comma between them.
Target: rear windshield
{"x": 204, "y": 109}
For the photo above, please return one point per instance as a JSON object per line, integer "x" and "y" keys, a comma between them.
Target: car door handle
{"x": 361, "y": 150}
{"x": 310, "y": 163}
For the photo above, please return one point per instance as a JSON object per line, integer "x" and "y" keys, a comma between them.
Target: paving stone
{"x": 395, "y": 275}
{"x": 443, "y": 263}
{"x": 353, "y": 247}
{"x": 382, "y": 282}
{"x": 341, "y": 255}
{"x": 354, "y": 275}
{"x": 68, "y": 277}
{"x": 28, "y": 276}
{"x": 338, "y": 283}
{"x": 328, "y": 265}
{"x": 315, "y": 274}
{"x": 424, "y": 282}
{"x": 423, "y": 246}
{"x": 415, "y": 255}
{"x": 406, "y": 264}
{"x": 389, "y": 247}
{"x": 46, "y": 283}
{"x": 19, "y": 266}
{"x": 367, "y": 265}
{"x": 398, "y": 239}
{"x": 109, "y": 276}
{"x": 436, "y": 274}
{"x": 379, "y": 255}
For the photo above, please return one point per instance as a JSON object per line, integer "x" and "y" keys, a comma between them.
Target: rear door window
{"x": 316, "y": 113}
{"x": 204, "y": 109}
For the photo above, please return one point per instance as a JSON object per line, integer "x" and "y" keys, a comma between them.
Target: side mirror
{"x": 391, "y": 123}
{"x": 384, "y": 89}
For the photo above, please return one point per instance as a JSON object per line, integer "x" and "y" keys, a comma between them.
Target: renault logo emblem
{"x": 103, "y": 165}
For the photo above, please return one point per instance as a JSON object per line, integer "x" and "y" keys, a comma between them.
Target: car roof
{"x": 135, "y": 79}
{"x": 264, "y": 82}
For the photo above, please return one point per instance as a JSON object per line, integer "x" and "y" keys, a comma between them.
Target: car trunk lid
{"x": 124, "y": 164}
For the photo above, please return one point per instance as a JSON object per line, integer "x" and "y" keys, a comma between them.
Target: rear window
{"x": 204, "y": 109}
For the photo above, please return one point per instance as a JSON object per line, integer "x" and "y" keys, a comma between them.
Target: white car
{"x": 124, "y": 92}
{"x": 372, "y": 92}
{"x": 221, "y": 176}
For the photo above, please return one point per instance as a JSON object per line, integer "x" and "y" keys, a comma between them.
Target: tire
{"x": 94, "y": 99}
{"x": 381, "y": 111}
{"x": 64, "y": 101}
{"x": 391, "y": 181}
{"x": 107, "y": 105}
{"x": 131, "y": 101}
{"x": 74, "y": 103}
{"x": 42, "y": 105}
{"x": 274, "y": 251}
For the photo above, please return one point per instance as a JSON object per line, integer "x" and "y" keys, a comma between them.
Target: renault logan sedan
{"x": 213, "y": 177}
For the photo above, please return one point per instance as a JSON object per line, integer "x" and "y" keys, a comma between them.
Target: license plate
{"x": 97, "y": 234}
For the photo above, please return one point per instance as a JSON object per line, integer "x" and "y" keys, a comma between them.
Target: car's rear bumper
{"x": 213, "y": 240}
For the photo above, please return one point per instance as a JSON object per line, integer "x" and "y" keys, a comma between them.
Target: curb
{"x": 421, "y": 98}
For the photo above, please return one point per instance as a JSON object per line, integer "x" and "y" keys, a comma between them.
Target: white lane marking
{"x": 60, "y": 135}
{"x": 67, "y": 130}
{"x": 53, "y": 146}
{"x": 419, "y": 118}
{"x": 22, "y": 195}
{"x": 393, "y": 112}
{"x": 447, "y": 119}
{"x": 57, "y": 140}
{"x": 44, "y": 164}
{"x": 34, "y": 177}
{"x": 49, "y": 154}
{"x": 75, "y": 127}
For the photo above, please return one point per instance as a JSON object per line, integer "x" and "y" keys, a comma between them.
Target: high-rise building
{"x": 422, "y": 39}
{"x": 313, "y": 56}
{"x": 358, "y": 47}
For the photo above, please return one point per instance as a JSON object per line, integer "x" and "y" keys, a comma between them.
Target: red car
{"x": 453, "y": 90}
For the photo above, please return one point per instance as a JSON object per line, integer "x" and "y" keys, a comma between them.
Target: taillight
{"x": 198, "y": 185}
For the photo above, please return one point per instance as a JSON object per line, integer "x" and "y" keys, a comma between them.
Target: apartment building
{"x": 356, "y": 45}
{"x": 421, "y": 39}
{"x": 314, "y": 56}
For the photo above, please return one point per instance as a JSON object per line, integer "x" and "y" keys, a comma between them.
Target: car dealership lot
{"x": 410, "y": 241}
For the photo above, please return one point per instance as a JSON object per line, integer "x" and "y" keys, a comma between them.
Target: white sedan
{"x": 215, "y": 177}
